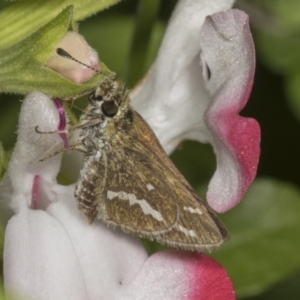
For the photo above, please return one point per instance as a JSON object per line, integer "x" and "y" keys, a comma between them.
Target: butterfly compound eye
{"x": 109, "y": 108}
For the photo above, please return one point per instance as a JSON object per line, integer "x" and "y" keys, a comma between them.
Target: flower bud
{"x": 77, "y": 47}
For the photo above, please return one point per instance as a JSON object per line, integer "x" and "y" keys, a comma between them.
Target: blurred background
{"x": 263, "y": 255}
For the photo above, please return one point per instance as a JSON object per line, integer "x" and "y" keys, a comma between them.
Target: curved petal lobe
{"x": 39, "y": 259}
{"x": 37, "y": 111}
{"x": 180, "y": 275}
{"x": 229, "y": 54}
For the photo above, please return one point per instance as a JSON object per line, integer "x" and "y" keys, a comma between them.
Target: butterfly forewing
{"x": 141, "y": 191}
{"x": 122, "y": 197}
{"x": 134, "y": 200}
{"x": 198, "y": 227}
{"x": 195, "y": 228}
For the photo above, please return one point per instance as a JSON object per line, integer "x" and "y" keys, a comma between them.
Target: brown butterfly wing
{"x": 141, "y": 191}
{"x": 136, "y": 195}
{"x": 198, "y": 227}
{"x": 112, "y": 190}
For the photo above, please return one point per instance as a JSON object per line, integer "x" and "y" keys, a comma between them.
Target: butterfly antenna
{"x": 76, "y": 107}
{"x": 73, "y": 105}
{"x": 61, "y": 52}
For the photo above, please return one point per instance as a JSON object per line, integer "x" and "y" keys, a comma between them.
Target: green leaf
{"x": 264, "y": 245}
{"x": 22, "y": 18}
{"x": 113, "y": 47}
{"x": 287, "y": 289}
{"x": 278, "y": 35}
{"x": 284, "y": 13}
{"x": 10, "y": 107}
{"x": 1, "y": 244}
{"x": 281, "y": 52}
{"x": 146, "y": 17}
{"x": 292, "y": 85}
{"x": 278, "y": 43}
{"x": 22, "y": 66}
{"x": 3, "y": 161}
{"x": 196, "y": 161}
{"x": 2, "y": 296}
{"x": 103, "y": 34}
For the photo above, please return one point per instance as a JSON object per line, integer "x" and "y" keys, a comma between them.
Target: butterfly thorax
{"x": 107, "y": 117}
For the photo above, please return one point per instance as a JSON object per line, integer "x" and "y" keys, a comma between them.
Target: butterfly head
{"x": 108, "y": 97}
{"x": 111, "y": 101}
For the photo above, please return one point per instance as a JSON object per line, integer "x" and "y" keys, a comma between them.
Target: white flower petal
{"x": 37, "y": 110}
{"x": 96, "y": 257}
{"x": 39, "y": 259}
{"x": 179, "y": 103}
{"x": 108, "y": 258}
{"x": 173, "y": 98}
{"x": 172, "y": 274}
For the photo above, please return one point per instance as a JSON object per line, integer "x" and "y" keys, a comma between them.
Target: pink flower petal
{"x": 229, "y": 53}
{"x": 179, "y": 275}
{"x": 62, "y": 122}
{"x": 35, "y": 192}
{"x": 211, "y": 281}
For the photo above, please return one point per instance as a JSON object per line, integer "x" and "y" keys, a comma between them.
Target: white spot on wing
{"x": 98, "y": 155}
{"x": 193, "y": 210}
{"x": 150, "y": 187}
{"x": 145, "y": 206}
{"x": 187, "y": 232}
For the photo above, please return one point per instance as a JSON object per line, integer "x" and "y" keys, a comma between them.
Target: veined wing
{"x": 112, "y": 190}
{"x": 139, "y": 189}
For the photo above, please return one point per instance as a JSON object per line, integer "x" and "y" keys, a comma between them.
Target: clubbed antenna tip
{"x": 61, "y": 52}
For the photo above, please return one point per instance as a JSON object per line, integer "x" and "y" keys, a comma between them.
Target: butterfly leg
{"x": 78, "y": 126}
{"x": 78, "y": 147}
{"x": 50, "y": 132}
